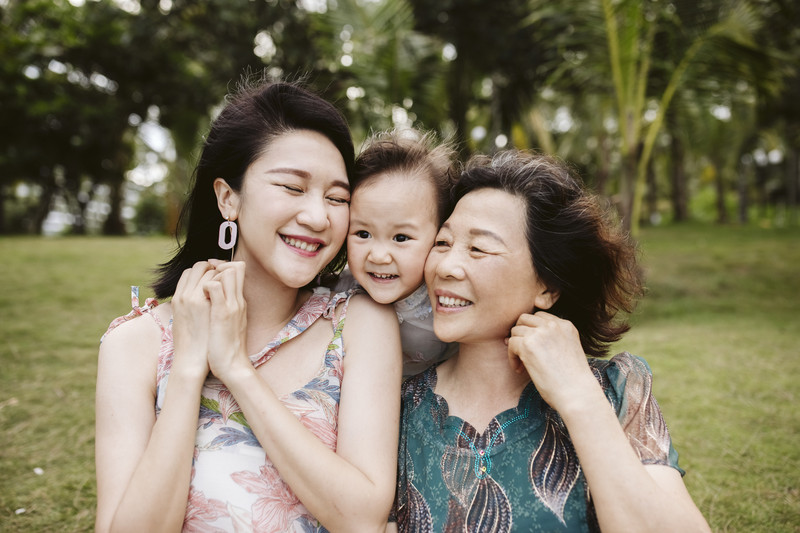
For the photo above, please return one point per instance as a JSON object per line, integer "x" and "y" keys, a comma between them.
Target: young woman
{"x": 519, "y": 431}
{"x": 253, "y": 400}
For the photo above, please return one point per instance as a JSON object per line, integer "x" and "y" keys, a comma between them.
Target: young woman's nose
{"x": 314, "y": 213}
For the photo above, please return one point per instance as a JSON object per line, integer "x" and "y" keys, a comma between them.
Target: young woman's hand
{"x": 227, "y": 318}
{"x": 549, "y": 349}
{"x": 191, "y": 311}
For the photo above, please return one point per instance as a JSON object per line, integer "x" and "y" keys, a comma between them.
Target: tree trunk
{"x": 744, "y": 197}
{"x": 43, "y": 209}
{"x": 652, "y": 194}
{"x": 792, "y": 175}
{"x": 3, "y": 228}
{"x": 679, "y": 196}
{"x": 113, "y": 224}
{"x": 626, "y": 189}
{"x": 719, "y": 182}
{"x": 459, "y": 93}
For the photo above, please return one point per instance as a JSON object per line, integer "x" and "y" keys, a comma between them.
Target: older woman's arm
{"x": 627, "y": 495}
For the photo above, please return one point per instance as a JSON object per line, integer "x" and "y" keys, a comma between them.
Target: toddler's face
{"x": 392, "y": 227}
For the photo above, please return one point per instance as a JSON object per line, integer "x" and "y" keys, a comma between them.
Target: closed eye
{"x": 340, "y": 201}
{"x": 292, "y": 188}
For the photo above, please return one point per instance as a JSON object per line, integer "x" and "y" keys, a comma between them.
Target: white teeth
{"x": 383, "y": 276}
{"x": 444, "y": 301}
{"x": 305, "y": 246}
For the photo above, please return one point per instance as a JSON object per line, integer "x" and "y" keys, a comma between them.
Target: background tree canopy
{"x": 673, "y": 109}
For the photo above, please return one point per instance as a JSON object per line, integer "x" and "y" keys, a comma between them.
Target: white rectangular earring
{"x": 224, "y": 242}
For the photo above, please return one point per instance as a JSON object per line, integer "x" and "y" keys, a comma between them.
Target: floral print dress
{"x": 521, "y": 473}
{"x": 234, "y": 486}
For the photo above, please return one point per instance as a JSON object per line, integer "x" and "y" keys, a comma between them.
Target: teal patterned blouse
{"x": 521, "y": 473}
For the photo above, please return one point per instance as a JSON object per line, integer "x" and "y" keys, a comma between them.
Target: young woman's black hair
{"x": 253, "y": 117}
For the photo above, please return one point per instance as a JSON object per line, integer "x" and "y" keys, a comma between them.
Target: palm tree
{"x": 709, "y": 32}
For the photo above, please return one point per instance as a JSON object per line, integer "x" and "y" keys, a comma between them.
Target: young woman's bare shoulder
{"x": 140, "y": 335}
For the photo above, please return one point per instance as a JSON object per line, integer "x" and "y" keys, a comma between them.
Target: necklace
{"x": 483, "y": 458}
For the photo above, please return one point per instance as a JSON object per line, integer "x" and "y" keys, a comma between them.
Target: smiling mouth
{"x": 445, "y": 301}
{"x": 383, "y": 276}
{"x": 301, "y": 245}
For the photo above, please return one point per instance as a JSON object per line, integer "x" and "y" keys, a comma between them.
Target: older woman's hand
{"x": 549, "y": 349}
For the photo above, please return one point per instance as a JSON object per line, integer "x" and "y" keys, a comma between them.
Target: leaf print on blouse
{"x": 211, "y": 411}
{"x": 200, "y": 511}
{"x": 309, "y": 312}
{"x": 490, "y": 510}
{"x": 309, "y": 415}
{"x": 554, "y": 466}
{"x": 477, "y": 502}
{"x": 277, "y": 507}
{"x": 640, "y": 415}
{"x": 415, "y": 515}
{"x": 231, "y": 437}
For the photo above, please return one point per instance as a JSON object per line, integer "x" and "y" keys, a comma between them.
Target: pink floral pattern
{"x": 235, "y": 487}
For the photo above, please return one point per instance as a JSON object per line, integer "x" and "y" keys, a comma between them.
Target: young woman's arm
{"x": 627, "y": 495}
{"x": 143, "y": 463}
{"x": 352, "y": 488}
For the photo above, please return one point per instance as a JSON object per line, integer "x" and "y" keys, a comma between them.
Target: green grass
{"x": 57, "y": 297}
{"x": 718, "y": 326}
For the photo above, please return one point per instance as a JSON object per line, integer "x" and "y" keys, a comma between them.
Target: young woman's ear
{"x": 545, "y": 299}
{"x": 227, "y": 199}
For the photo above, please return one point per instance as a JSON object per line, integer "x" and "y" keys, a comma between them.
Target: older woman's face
{"x": 479, "y": 273}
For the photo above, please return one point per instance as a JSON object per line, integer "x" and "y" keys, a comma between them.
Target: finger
{"x": 514, "y": 361}
{"x": 182, "y": 281}
{"x": 214, "y": 291}
{"x": 226, "y": 265}
{"x": 229, "y": 286}
{"x": 189, "y": 279}
{"x": 521, "y": 331}
{"x": 526, "y": 319}
{"x": 198, "y": 271}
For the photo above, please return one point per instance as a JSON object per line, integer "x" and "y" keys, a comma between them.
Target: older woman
{"x": 520, "y": 430}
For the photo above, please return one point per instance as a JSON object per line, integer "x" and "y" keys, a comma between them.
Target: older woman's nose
{"x": 449, "y": 265}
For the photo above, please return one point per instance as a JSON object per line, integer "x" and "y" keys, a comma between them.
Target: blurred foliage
{"x": 640, "y": 97}
{"x": 151, "y": 212}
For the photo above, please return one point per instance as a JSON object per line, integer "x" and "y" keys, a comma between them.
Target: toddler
{"x": 400, "y": 195}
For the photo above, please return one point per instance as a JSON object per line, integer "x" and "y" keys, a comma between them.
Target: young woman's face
{"x": 293, "y": 208}
{"x": 479, "y": 273}
{"x": 393, "y": 222}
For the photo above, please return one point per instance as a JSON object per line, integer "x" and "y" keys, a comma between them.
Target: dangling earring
{"x": 222, "y": 241}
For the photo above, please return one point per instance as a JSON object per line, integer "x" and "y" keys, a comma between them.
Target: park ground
{"x": 719, "y": 327}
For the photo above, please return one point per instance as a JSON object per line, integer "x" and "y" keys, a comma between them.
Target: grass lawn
{"x": 719, "y": 327}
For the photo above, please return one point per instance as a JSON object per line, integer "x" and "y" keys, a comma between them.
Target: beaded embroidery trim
{"x": 483, "y": 458}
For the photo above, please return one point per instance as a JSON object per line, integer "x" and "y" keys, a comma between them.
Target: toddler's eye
{"x": 362, "y": 234}
{"x": 401, "y": 238}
